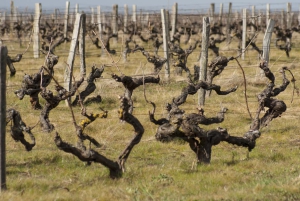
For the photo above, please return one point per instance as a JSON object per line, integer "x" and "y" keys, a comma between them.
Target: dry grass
{"x": 157, "y": 171}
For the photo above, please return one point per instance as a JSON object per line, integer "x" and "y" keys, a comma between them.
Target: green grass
{"x": 156, "y": 171}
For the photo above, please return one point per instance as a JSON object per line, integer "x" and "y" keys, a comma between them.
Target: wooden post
{"x": 244, "y": 35}
{"x": 174, "y": 19}
{"x": 236, "y": 15}
{"x": 292, "y": 19}
{"x": 99, "y": 19}
{"x": 82, "y": 34}
{"x": 146, "y": 20}
{"x": 168, "y": 25}
{"x": 19, "y": 17}
{"x": 228, "y": 21}
{"x": 134, "y": 16}
{"x": 92, "y": 16}
{"x": 66, "y": 19}
{"x": 221, "y": 14}
{"x": 211, "y": 13}
{"x": 259, "y": 19}
{"x": 282, "y": 22}
{"x": 76, "y": 9}
{"x": 15, "y": 15}
{"x": 299, "y": 17}
{"x": 3, "y": 55}
{"x": 288, "y": 15}
{"x": 140, "y": 19}
{"x": 55, "y": 18}
{"x": 69, "y": 67}
{"x": 165, "y": 27}
{"x": 203, "y": 58}
{"x": 253, "y": 19}
{"x": 102, "y": 52}
{"x": 267, "y": 40}
{"x": 3, "y": 19}
{"x": 267, "y": 14}
{"x": 52, "y": 16}
{"x": 125, "y": 18}
{"x": 115, "y": 22}
{"x": 103, "y": 22}
{"x": 36, "y": 30}
{"x": 11, "y": 18}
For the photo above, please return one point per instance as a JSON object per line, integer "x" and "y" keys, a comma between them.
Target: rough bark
{"x": 10, "y": 65}
{"x": 182, "y": 56}
{"x": 31, "y": 84}
{"x": 52, "y": 102}
{"x": 116, "y": 168}
{"x": 90, "y": 88}
{"x": 18, "y": 127}
{"x": 186, "y": 126}
{"x": 193, "y": 88}
{"x": 157, "y": 61}
{"x": 131, "y": 84}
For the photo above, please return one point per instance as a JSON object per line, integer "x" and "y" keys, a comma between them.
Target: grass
{"x": 156, "y": 171}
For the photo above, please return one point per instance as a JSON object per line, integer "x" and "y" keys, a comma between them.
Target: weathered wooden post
{"x": 66, "y": 19}
{"x": 282, "y": 22}
{"x": 203, "y": 59}
{"x": 288, "y": 15}
{"x": 165, "y": 27}
{"x": 211, "y": 13}
{"x": 221, "y": 14}
{"x": 36, "y": 30}
{"x": 92, "y": 16}
{"x": 140, "y": 19}
{"x": 146, "y": 20}
{"x": 14, "y": 16}
{"x": 299, "y": 17}
{"x": 267, "y": 40}
{"x": 3, "y": 19}
{"x": 259, "y": 19}
{"x": 125, "y": 18}
{"x": 11, "y": 18}
{"x": 82, "y": 34}
{"x": 292, "y": 18}
{"x": 267, "y": 14}
{"x": 72, "y": 19}
{"x": 134, "y": 16}
{"x": 3, "y": 55}
{"x": 115, "y": 22}
{"x": 244, "y": 35}
{"x": 54, "y": 17}
{"x": 76, "y": 8}
{"x": 70, "y": 61}
{"x": 99, "y": 19}
{"x": 102, "y": 52}
{"x": 103, "y": 22}
{"x": 228, "y": 21}
{"x": 19, "y": 16}
{"x": 174, "y": 19}
{"x": 168, "y": 25}
{"x": 253, "y": 19}
{"x": 266, "y": 45}
{"x": 236, "y": 16}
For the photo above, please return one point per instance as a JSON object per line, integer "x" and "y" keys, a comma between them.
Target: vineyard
{"x": 160, "y": 105}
